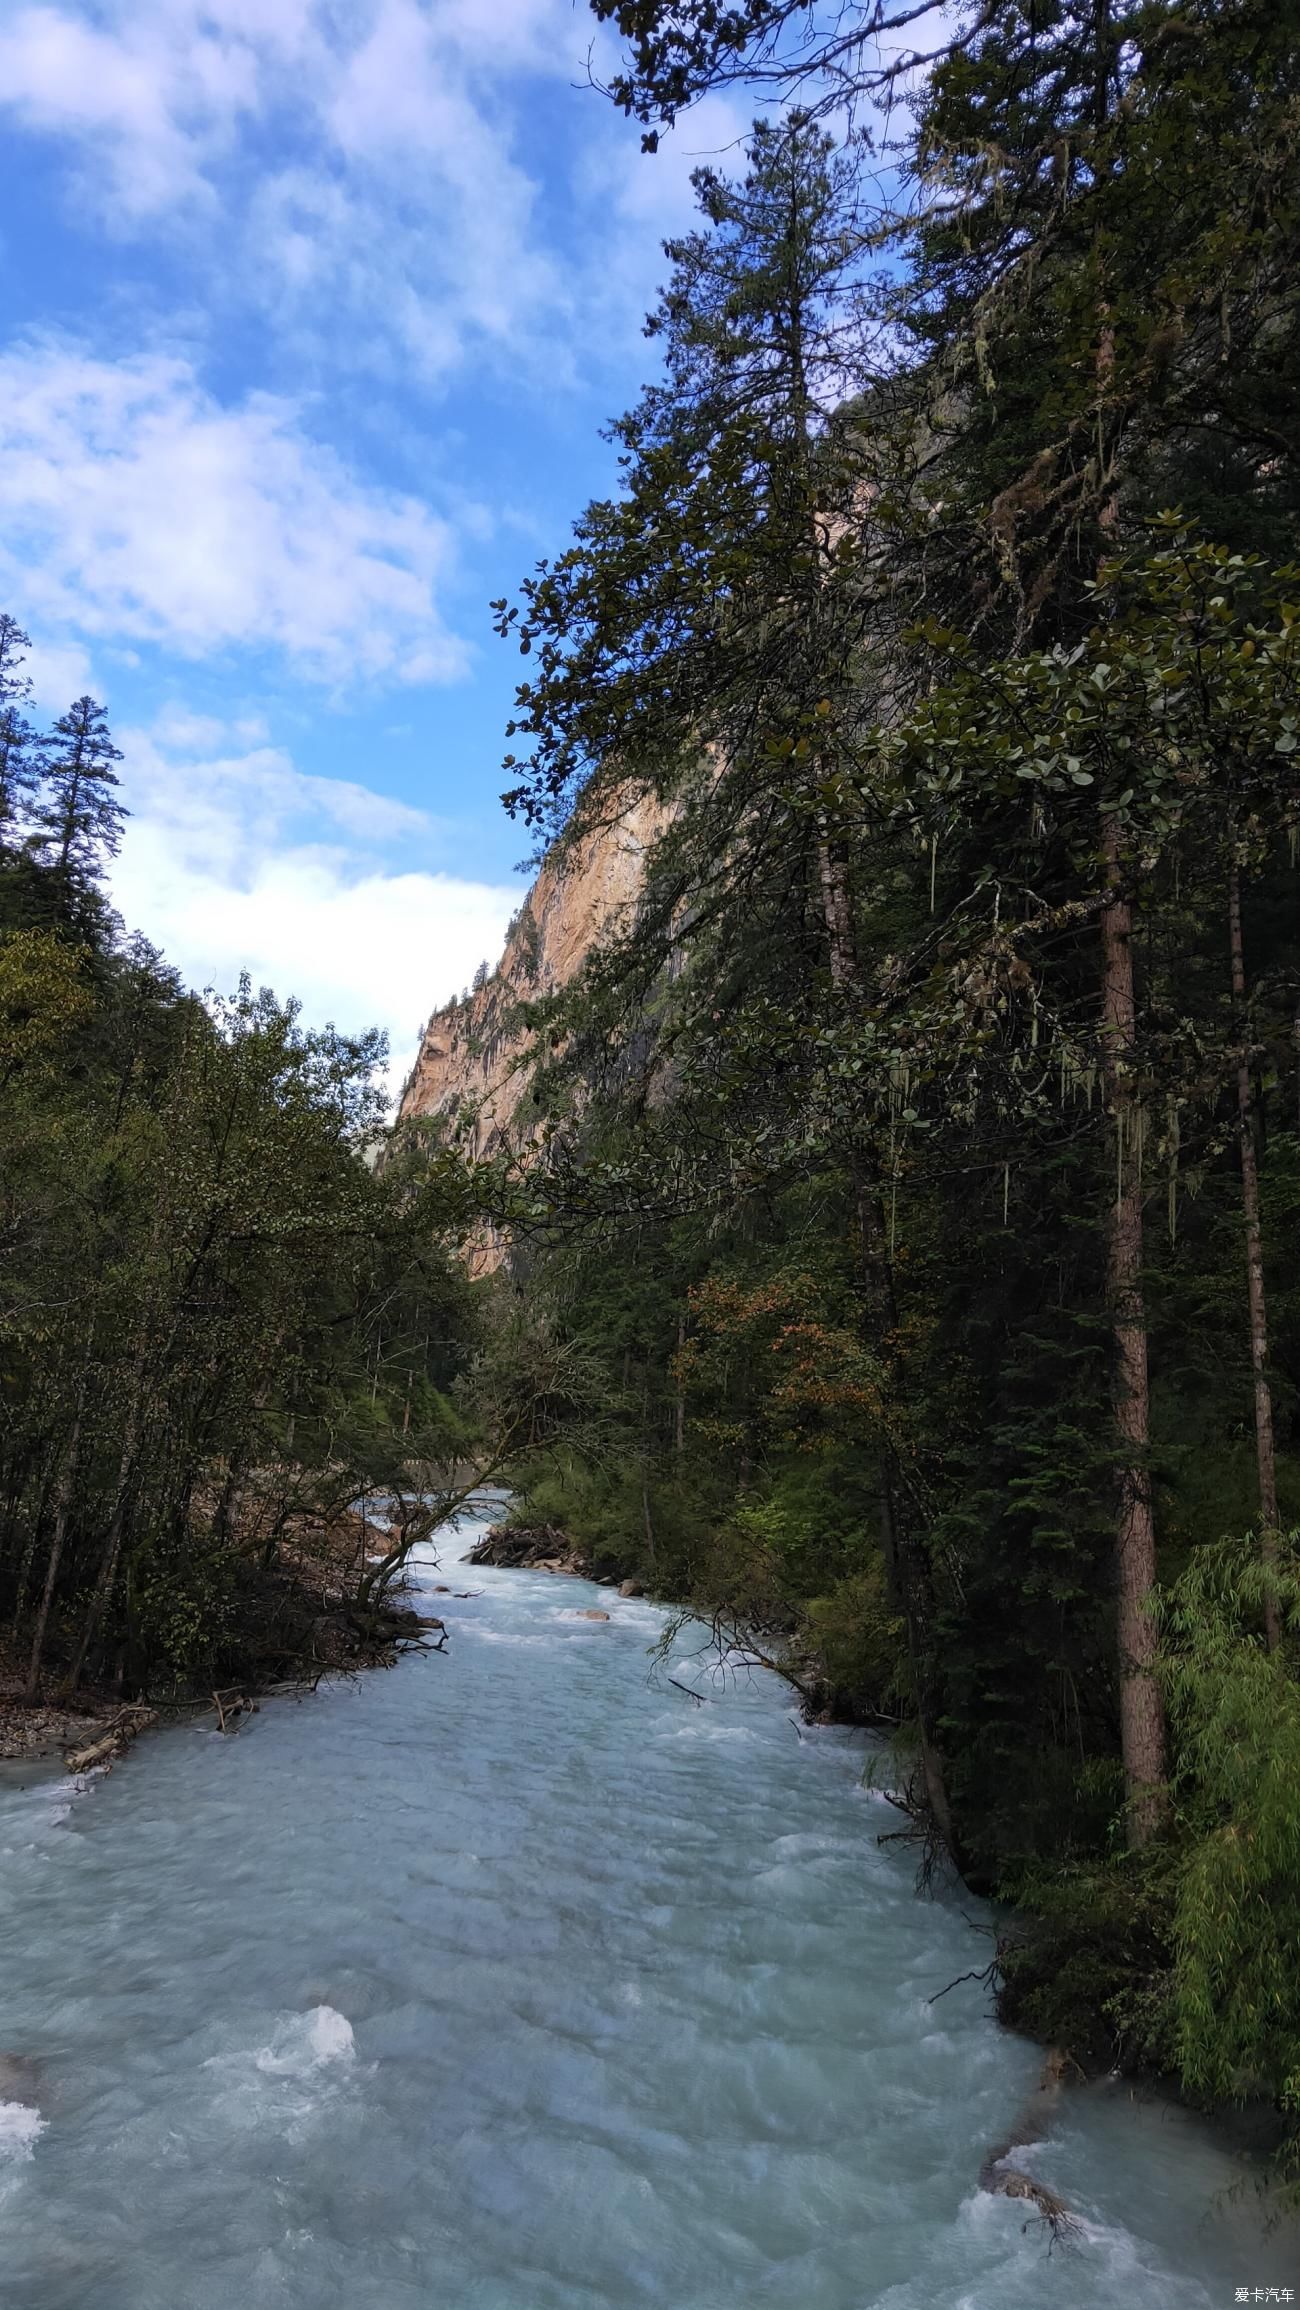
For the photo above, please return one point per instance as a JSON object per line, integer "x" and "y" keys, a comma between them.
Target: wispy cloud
{"x": 380, "y": 174}
{"x": 139, "y": 509}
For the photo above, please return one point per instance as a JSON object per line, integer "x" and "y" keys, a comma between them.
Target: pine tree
{"x": 76, "y": 820}
{"x": 680, "y": 616}
{"x": 1094, "y": 226}
{"x": 19, "y": 746}
{"x": 1100, "y": 288}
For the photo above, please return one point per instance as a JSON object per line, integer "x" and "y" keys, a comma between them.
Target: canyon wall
{"x": 472, "y": 1051}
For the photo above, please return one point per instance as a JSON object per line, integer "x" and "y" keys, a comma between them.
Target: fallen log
{"x": 95, "y": 1753}
{"x": 109, "y": 1744}
{"x": 1007, "y": 2181}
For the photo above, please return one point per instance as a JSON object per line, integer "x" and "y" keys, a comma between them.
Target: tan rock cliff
{"x": 471, "y": 1053}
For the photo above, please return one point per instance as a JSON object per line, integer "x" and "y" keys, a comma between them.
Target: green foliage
{"x": 216, "y": 1317}
{"x": 1235, "y": 1709}
{"x": 1183, "y": 1960}
{"x": 1088, "y": 1965}
{"x": 860, "y": 1643}
{"x": 181, "y": 1611}
{"x": 44, "y": 997}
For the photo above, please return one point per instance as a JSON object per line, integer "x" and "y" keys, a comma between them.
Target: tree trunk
{"x": 913, "y": 1589}
{"x": 645, "y": 1468}
{"x": 48, "y": 1478}
{"x": 1141, "y": 1713}
{"x": 837, "y": 912}
{"x": 116, "y": 1528}
{"x": 1264, "y": 1454}
{"x": 62, "y": 1506}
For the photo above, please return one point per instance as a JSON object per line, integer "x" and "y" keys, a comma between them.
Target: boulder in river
{"x": 20, "y": 2079}
{"x": 592, "y": 1614}
{"x": 630, "y": 1588}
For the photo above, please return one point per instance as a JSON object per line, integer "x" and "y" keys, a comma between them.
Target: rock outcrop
{"x": 473, "y": 1056}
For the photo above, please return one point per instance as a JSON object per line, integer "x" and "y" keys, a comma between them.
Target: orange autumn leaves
{"x": 773, "y": 1362}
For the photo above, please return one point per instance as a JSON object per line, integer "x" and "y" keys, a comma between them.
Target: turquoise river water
{"x": 511, "y": 1979}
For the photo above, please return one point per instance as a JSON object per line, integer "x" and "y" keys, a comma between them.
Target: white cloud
{"x": 136, "y": 507}
{"x": 59, "y": 672}
{"x": 238, "y": 863}
{"x": 402, "y": 188}
{"x": 366, "y": 148}
{"x": 178, "y": 731}
{"x": 386, "y": 182}
{"x": 156, "y": 91}
{"x": 148, "y": 112}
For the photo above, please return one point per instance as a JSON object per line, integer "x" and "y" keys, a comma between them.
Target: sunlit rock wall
{"x": 471, "y": 1052}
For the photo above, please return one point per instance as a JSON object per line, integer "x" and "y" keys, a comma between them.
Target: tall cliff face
{"x": 470, "y": 1051}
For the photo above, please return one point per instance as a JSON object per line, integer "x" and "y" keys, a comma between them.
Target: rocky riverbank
{"x": 292, "y": 1621}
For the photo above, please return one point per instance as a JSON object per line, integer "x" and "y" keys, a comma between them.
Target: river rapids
{"x": 514, "y": 1979}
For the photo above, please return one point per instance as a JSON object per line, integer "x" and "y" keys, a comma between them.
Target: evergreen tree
{"x": 1103, "y": 318}
{"x": 1105, "y": 321}
{"x": 717, "y": 595}
{"x": 19, "y": 747}
{"x": 76, "y": 820}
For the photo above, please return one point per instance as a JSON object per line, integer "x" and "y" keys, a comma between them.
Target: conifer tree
{"x": 77, "y": 820}
{"x": 1094, "y": 225}
{"x": 1105, "y": 319}
{"x": 680, "y": 616}
{"x": 19, "y": 746}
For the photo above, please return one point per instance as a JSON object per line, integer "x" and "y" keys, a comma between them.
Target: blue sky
{"x": 311, "y": 312}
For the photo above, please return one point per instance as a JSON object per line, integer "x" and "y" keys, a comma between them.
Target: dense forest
{"x": 921, "y": 1167}
{"x": 220, "y": 1324}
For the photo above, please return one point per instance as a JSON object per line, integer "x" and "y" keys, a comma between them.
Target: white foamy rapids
{"x": 306, "y": 2042}
{"x": 288, "y": 2085}
{"x": 20, "y": 2128}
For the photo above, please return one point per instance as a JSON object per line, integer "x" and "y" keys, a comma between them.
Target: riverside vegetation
{"x": 921, "y": 1164}
{"x": 221, "y": 1327}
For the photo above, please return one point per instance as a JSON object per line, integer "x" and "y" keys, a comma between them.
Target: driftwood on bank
{"x": 231, "y": 1707}
{"x": 108, "y": 1745}
{"x": 531, "y": 1547}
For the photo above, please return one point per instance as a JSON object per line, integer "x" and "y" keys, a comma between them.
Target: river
{"x": 508, "y": 1979}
